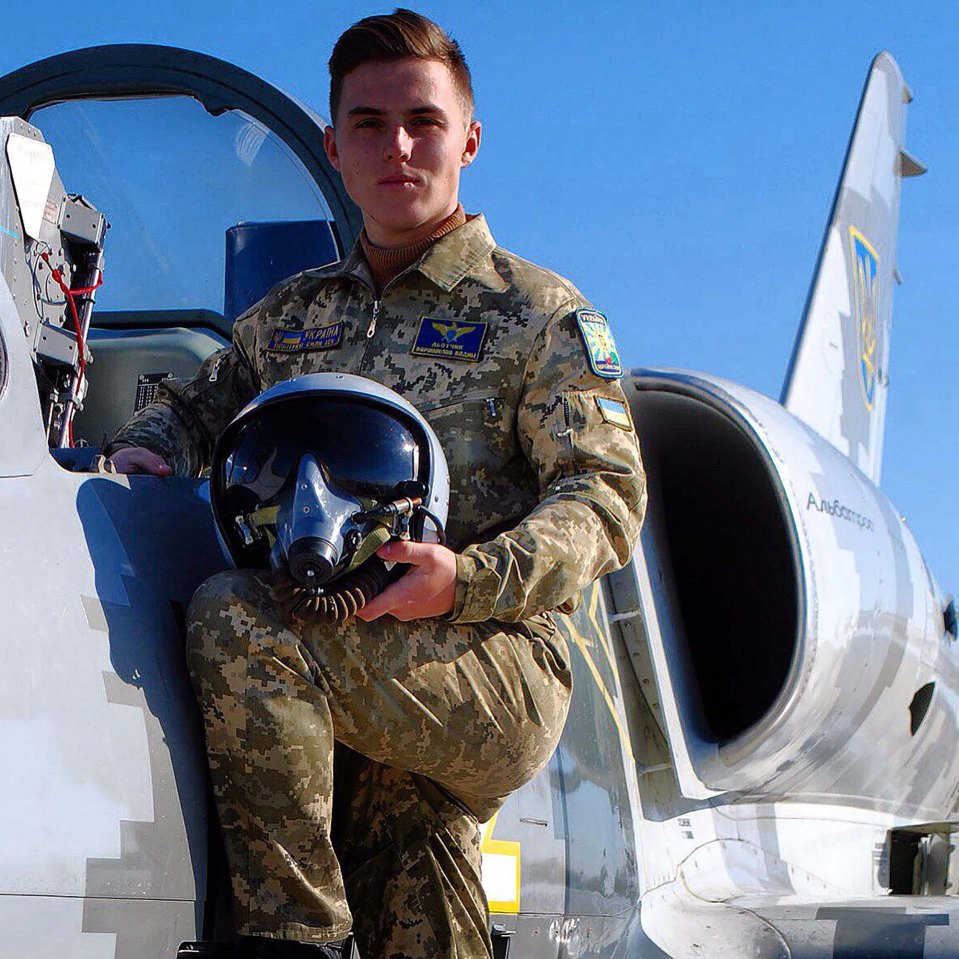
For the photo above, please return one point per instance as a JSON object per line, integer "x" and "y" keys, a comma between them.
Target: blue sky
{"x": 677, "y": 161}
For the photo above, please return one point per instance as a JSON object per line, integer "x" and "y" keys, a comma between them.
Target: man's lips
{"x": 399, "y": 180}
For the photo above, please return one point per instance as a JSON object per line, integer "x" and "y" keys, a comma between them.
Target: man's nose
{"x": 398, "y": 144}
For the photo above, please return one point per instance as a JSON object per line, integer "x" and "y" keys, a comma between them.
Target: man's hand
{"x": 428, "y": 589}
{"x": 138, "y": 459}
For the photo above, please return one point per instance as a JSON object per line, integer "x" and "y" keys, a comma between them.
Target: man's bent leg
{"x": 478, "y": 709}
{"x": 411, "y": 861}
{"x": 270, "y": 747}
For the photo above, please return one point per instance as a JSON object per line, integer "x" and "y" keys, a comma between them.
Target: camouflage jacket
{"x": 547, "y": 488}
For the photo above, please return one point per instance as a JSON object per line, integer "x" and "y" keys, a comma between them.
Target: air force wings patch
{"x": 450, "y": 339}
{"x": 299, "y": 341}
{"x": 600, "y": 346}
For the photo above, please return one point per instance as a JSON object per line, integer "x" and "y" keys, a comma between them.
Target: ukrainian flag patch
{"x": 449, "y": 339}
{"x": 614, "y": 412}
{"x": 600, "y": 346}
{"x": 299, "y": 341}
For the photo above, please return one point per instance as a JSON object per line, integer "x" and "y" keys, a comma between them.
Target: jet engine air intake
{"x": 788, "y": 614}
{"x": 720, "y": 524}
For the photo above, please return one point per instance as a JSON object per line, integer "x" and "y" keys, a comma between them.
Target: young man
{"x": 450, "y": 689}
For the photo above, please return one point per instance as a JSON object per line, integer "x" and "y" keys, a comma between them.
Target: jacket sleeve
{"x": 184, "y": 421}
{"x": 575, "y": 429}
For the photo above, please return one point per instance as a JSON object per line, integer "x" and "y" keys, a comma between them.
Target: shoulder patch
{"x": 299, "y": 341}
{"x": 450, "y": 339}
{"x": 600, "y": 346}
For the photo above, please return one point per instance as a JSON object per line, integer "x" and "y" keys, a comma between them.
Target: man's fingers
{"x": 375, "y": 608}
{"x": 427, "y": 589}
{"x": 405, "y": 551}
{"x": 138, "y": 459}
{"x": 394, "y": 596}
{"x": 153, "y": 464}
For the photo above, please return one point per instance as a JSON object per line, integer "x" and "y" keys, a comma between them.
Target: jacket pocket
{"x": 490, "y": 480}
{"x": 477, "y": 432}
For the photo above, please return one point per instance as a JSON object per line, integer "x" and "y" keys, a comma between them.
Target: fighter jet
{"x": 760, "y": 755}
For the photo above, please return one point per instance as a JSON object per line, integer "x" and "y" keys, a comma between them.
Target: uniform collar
{"x": 458, "y": 254}
{"x": 463, "y": 252}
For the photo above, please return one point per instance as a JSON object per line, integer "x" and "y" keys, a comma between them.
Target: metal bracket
{"x": 80, "y": 223}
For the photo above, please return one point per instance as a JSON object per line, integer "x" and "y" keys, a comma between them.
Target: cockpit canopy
{"x": 215, "y": 185}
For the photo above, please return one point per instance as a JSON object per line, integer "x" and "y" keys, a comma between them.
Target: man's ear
{"x": 329, "y": 144}
{"x": 473, "y": 135}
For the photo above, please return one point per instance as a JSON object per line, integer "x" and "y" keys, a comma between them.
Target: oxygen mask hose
{"x": 349, "y": 595}
{"x": 366, "y": 575}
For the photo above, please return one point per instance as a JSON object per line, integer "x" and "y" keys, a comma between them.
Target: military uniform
{"x": 442, "y": 718}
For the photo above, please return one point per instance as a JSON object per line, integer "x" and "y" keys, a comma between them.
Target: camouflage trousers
{"x": 434, "y": 725}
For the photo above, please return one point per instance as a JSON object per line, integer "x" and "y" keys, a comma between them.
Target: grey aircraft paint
{"x": 845, "y": 338}
{"x": 744, "y": 758}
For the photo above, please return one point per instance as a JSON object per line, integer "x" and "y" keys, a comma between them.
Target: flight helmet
{"x": 317, "y": 473}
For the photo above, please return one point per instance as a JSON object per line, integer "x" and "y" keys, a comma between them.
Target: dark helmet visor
{"x": 363, "y": 450}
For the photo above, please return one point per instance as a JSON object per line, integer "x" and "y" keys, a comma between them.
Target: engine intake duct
{"x": 723, "y": 545}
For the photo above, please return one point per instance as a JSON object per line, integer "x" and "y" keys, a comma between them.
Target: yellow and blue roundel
{"x": 600, "y": 346}
{"x": 865, "y": 284}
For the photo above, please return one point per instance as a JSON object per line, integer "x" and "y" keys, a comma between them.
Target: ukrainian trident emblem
{"x": 865, "y": 283}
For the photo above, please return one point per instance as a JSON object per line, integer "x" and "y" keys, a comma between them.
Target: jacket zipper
{"x": 215, "y": 372}
{"x": 568, "y": 432}
{"x": 377, "y": 303}
{"x": 371, "y": 329}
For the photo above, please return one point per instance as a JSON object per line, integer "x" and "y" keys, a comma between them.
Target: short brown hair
{"x": 399, "y": 35}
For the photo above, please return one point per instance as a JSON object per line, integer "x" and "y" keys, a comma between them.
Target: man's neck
{"x": 390, "y": 239}
{"x": 386, "y": 262}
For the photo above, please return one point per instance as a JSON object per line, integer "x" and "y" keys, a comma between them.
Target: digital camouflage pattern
{"x": 416, "y": 703}
{"x": 545, "y": 494}
{"x": 448, "y": 715}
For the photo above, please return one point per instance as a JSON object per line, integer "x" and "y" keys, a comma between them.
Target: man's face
{"x": 400, "y": 141}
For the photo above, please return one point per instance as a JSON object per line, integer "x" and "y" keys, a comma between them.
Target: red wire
{"x": 74, "y": 314}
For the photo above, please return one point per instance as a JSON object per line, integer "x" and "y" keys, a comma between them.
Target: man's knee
{"x": 220, "y": 618}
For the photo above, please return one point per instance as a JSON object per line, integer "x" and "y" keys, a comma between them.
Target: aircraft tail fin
{"x": 837, "y": 380}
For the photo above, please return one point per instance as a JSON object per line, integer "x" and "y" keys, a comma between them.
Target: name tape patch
{"x": 600, "y": 346}
{"x": 449, "y": 339}
{"x": 298, "y": 341}
{"x": 614, "y": 412}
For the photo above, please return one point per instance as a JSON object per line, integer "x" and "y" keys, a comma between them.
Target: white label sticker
{"x": 31, "y": 167}
{"x": 500, "y": 869}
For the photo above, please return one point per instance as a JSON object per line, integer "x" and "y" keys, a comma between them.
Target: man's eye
{"x": 367, "y": 124}
{"x": 425, "y": 122}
